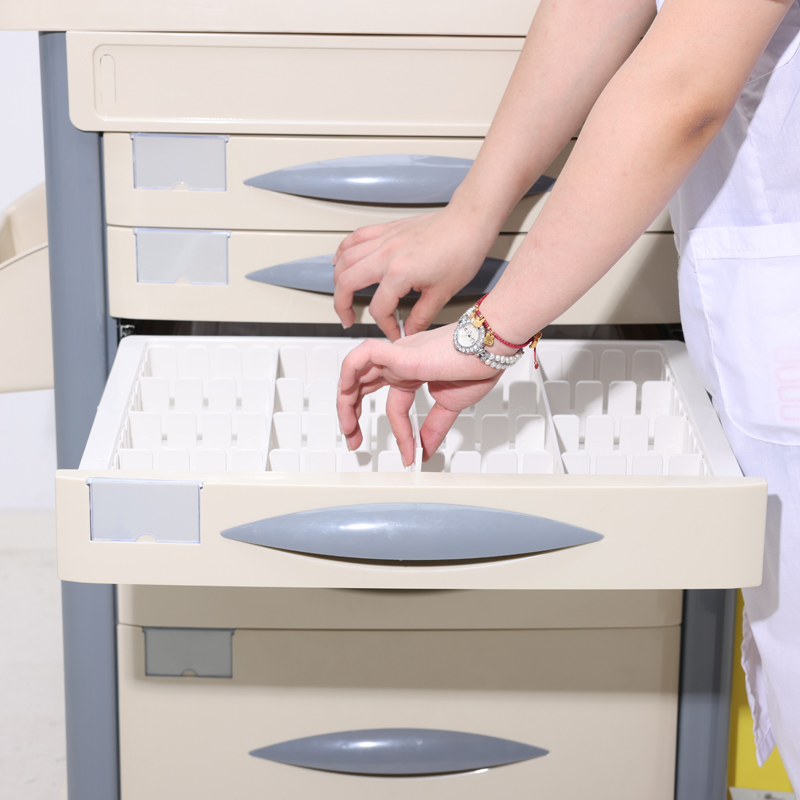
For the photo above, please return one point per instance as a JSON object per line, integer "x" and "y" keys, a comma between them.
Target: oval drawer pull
{"x": 397, "y": 180}
{"x": 315, "y": 274}
{"x": 422, "y": 532}
{"x": 399, "y": 751}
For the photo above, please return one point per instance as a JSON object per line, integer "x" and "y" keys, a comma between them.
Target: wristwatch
{"x": 472, "y": 337}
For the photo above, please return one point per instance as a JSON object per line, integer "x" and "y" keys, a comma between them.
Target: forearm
{"x": 644, "y": 135}
{"x": 572, "y": 50}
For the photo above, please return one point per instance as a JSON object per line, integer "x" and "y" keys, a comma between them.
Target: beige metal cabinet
{"x": 524, "y": 585}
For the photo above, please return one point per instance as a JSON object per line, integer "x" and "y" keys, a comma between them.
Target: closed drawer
{"x": 243, "y": 83}
{"x": 601, "y": 703}
{"x": 318, "y": 183}
{"x": 217, "y": 462}
{"x": 211, "y": 275}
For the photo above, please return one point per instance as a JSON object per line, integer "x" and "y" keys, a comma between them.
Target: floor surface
{"x": 32, "y": 747}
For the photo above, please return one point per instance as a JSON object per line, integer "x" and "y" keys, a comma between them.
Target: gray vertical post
{"x": 709, "y": 619}
{"x": 80, "y": 359}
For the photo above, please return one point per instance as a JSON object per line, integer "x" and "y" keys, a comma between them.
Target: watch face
{"x": 466, "y": 337}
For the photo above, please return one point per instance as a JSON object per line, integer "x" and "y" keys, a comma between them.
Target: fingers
{"x": 355, "y": 437}
{"x": 398, "y": 404}
{"x": 353, "y": 255}
{"x": 356, "y": 238}
{"x": 383, "y": 305}
{"x": 363, "y": 235}
{"x": 424, "y": 312}
{"x": 437, "y": 423}
{"x": 373, "y": 352}
{"x": 348, "y": 282}
{"x": 360, "y": 375}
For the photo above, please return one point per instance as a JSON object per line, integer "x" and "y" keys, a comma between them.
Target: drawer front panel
{"x": 225, "y": 83}
{"x": 366, "y": 609}
{"x": 659, "y": 533}
{"x": 445, "y": 18}
{"x": 602, "y": 703}
{"x": 640, "y": 288}
{"x": 207, "y": 188}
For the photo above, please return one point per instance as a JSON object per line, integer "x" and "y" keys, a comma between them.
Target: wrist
{"x": 476, "y": 219}
{"x": 508, "y": 320}
{"x": 500, "y": 349}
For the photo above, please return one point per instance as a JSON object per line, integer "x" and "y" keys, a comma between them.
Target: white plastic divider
{"x": 620, "y": 405}
{"x": 612, "y": 366}
{"x": 199, "y": 406}
{"x": 270, "y": 404}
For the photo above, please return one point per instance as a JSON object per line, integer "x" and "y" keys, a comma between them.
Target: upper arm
{"x": 707, "y": 49}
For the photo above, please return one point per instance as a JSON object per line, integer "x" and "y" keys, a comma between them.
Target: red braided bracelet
{"x": 532, "y": 342}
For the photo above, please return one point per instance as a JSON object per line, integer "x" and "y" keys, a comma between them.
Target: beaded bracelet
{"x": 491, "y": 335}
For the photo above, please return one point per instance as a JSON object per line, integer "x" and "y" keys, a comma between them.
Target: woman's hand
{"x": 455, "y": 380}
{"x": 435, "y": 254}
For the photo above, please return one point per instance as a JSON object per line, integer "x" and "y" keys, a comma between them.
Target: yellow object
{"x": 743, "y": 770}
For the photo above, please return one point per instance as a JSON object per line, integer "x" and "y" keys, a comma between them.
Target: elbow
{"x": 703, "y": 122}
{"x": 698, "y": 107}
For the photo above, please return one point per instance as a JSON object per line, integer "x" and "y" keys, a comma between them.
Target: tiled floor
{"x": 32, "y": 748}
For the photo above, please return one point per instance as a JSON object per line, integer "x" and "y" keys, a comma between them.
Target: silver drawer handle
{"x": 411, "y": 532}
{"x": 399, "y": 751}
{"x": 397, "y": 180}
{"x": 315, "y": 274}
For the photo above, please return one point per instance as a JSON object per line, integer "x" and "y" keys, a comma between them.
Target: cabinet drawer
{"x": 150, "y": 274}
{"x": 322, "y": 183}
{"x": 601, "y": 703}
{"x": 226, "y": 453}
{"x": 244, "y": 83}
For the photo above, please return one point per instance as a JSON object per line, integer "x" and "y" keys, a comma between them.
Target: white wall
{"x": 27, "y": 423}
{"x": 21, "y": 151}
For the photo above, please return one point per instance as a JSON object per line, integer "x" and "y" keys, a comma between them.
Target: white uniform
{"x": 737, "y": 224}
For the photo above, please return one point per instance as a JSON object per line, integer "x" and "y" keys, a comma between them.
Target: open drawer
{"x": 287, "y": 183}
{"x": 265, "y": 276}
{"x": 218, "y": 462}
